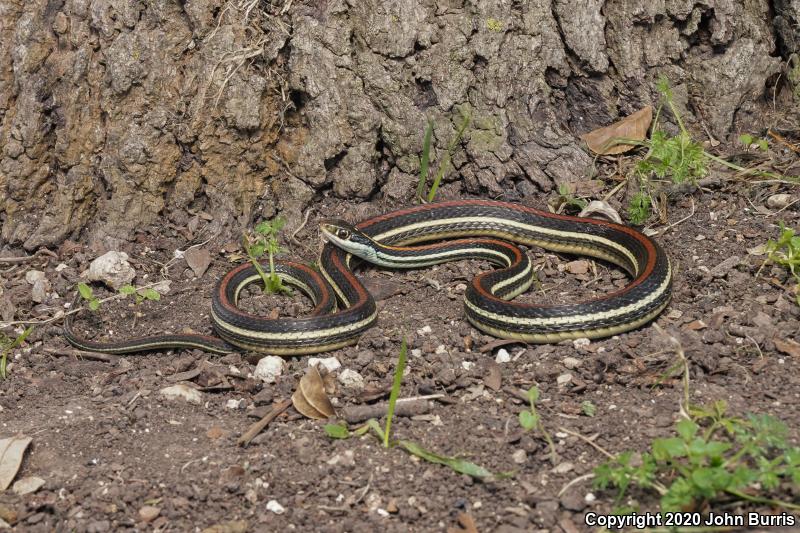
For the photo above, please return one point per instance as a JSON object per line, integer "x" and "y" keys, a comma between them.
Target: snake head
{"x": 347, "y": 237}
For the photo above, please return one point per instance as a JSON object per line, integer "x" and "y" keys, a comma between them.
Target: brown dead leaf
{"x": 304, "y": 408}
{"x": 466, "y": 524}
{"x": 313, "y": 388}
{"x": 12, "y": 451}
{"x": 789, "y": 347}
{"x": 493, "y": 378}
{"x": 498, "y": 343}
{"x": 198, "y": 260}
{"x": 603, "y": 140}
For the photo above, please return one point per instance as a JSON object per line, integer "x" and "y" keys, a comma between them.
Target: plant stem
{"x": 398, "y": 379}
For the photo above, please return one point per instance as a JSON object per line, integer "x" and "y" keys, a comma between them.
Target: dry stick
{"x": 404, "y": 407}
{"x": 259, "y": 426}
{"x": 587, "y": 440}
{"x": 681, "y": 221}
{"x": 81, "y": 353}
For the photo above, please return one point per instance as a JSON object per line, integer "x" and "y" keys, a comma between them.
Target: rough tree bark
{"x": 118, "y": 114}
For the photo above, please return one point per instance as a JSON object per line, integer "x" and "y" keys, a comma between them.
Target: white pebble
{"x": 182, "y": 391}
{"x": 563, "y": 379}
{"x": 583, "y": 342}
{"x": 351, "y": 379}
{"x": 416, "y": 352}
{"x": 519, "y": 456}
{"x": 275, "y": 507}
{"x": 235, "y": 404}
{"x": 589, "y": 498}
{"x": 571, "y": 362}
{"x": 269, "y": 368}
{"x": 502, "y": 356}
{"x": 424, "y": 330}
{"x": 441, "y": 349}
{"x": 112, "y": 268}
{"x": 331, "y": 364}
{"x": 32, "y": 276}
{"x": 467, "y": 365}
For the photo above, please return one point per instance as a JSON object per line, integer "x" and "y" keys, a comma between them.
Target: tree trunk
{"x": 116, "y": 115}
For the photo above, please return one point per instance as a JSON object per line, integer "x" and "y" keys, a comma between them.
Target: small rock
{"x": 721, "y": 270}
{"x": 779, "y": 201}
{"x": 39, "y": 290}
{"x": 184, "y": 392}
{"x": 563, "y": 379}
{"x": 331, "y": 364}
{"x": 275, "y": 507}
{"x": 148, "y": 513}
{"x": 235, "y": 404}
{"x": 571, "y": 362}
{"x": 583, "y": 342}
{"x": 572, "y": 501}
{"x": 351, "y": 379}
{"x": 345, "y": 459}
{"x": 502, "y": 356}
{"x": 32, "y": 276}
{"x": 581, "y": 266}
{"x": 563, "y": 468}
{"x": 675, "y": 314}
{"x": 391, "y": 507}
{"x": 112, "y": 268}
{"x": 519, "y": 456}
{"x": 589, "y": 498}
{"x": 762, "y": 320}
{"x": 269, "y": 368}
{"x": 416, "y": 352}
{"x": 440, "y": 349}
{"x": 424, "y": 330}
{"x": 27, "y": 485}
{"x": 467, "y": 365}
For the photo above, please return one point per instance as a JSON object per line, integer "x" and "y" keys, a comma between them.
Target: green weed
{"x": 569, "y": 200}
{"x": 530, "y": 421}
{"x": 785, "y": 251}
{"x": 424, "y": 166}
{"x": 639, "y": 208}
{"x": 748, "y": 140}
{"x": 7, "y": 344}
{"x": 140, "y": 293}
{"x": 341, "y": 431}
{"x": 713, "y": 457}
{"x": 264, "y": 239}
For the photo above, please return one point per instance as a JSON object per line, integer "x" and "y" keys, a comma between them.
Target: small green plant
{"x": 530, "y": 421}
{"x": 341, "y": 431}
{"x": 713, "y": 456}
{"x": 568, "y": 199}
{"x": 748, "y": 141}
{"x": 264, "y": 239}
{"x": 424, "y": 165}
{"x": 785, "y": 251}
{"x": 140, "y": 293}
{"x": 588, "y": 408}
{"x": 639, "y": 208}
{"x": 7, "y": 344}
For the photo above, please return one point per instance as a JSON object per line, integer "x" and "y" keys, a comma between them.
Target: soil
{"x": 116, "y": 454}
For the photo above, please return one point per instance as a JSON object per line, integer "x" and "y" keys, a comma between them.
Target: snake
{"x": 418, "y": 237}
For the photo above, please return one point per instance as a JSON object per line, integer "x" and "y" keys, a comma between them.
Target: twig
{"x": 783, "y": 141}
{"x": 58, "y": 352}
{"x": 681, "y": 221}
{"x": 587, "y": 440}
{"x": 301, "y": 226}
{"x": 578, "y": 479}
{"x": 259, "y": 426}
{"x": 404, "y": 407}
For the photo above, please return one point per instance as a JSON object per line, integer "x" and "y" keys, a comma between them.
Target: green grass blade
{"x": 424, "y": 162}
{"x": 398, "y": 379}
{"x": 459, "y": 465}
{"x": 7, "y": 349}
{"x": 448, "y": 156}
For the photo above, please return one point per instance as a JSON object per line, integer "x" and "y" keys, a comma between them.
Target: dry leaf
{"x": 493, "y": 378}
{"x": 313, "y": 389}
{"x": 603, "y": 141}
{"x": 789, "y": 347}
{"x": 310, "y": 398}
{"x": 198, "y": 260}
{"x": 603, "y": 208}
{"x": 466, "y": 524}
{"x": 27, "y": 485}
{"x": 11, "y": 452}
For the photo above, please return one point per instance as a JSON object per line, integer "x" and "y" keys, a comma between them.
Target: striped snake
{"x": 482, "y": 229}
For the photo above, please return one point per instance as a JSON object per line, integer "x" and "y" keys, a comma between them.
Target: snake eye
{"x": 343, "y": 234}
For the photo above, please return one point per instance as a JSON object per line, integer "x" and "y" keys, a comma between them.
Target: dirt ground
{"x": 116, "y": 454}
